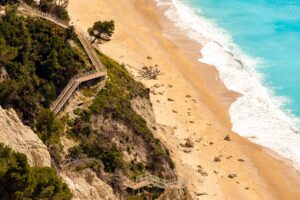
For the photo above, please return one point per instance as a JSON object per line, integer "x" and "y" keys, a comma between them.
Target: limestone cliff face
{"x": 143, "y": 107}
{"x": 86, "y": 185}
{"x": 21, "y": 138}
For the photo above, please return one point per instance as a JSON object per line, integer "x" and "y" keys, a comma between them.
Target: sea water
{"x": 255, "y": 45}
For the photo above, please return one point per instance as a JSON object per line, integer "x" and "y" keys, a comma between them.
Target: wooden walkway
{"x": 148, "y": 180}
{"x": 71, "y": 87}
{"x": 99, "y": 72}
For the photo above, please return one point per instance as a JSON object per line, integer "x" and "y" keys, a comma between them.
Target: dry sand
{"x": 199, "y": 110}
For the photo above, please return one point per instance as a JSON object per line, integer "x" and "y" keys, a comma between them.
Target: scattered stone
{"x": 174, "y": 111}
{"x": 189, "y": 143}
{"x": 187, "y": 151}
{"x": 247, "y": 188}
{"x": 228, "y": 157}
{"x": 153, "y": 92}
{"x": 188, "y": 96}
{"x": 211, "y": 143}
{"x": 192, "y": 122}
{"x": 217, "y": 159}
{"x": 232, "y": 176}
{"x": 241, "y": 160}
{"x": 156, "y": 85}
{"x": 227, "y": 138}
{"x": 149, "y": 57}
{"x": 170, "y": 99}
{"x": 202, "y": 172}
{"x": 170, "y": 86}
{"x": 237, "y": 182}
{"x": 149, "y": 72}
{"x": 216, "y": 172}
{"x": 158, "y": 101}
{"x": 200, "y": 193}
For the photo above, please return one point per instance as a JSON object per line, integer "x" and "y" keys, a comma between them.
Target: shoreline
{"x": 177, "y": 57}
{"x": 258, "y": 113}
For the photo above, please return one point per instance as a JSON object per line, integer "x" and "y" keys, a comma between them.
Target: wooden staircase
{"x": 148, "y": 180}
{"x": 71, "y": 87}
{"x": 100, "y": 70}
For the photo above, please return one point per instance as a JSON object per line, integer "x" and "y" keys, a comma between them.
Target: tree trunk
{"x": 94, "y": 40}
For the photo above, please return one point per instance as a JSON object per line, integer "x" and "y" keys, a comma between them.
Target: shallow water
{"x": 267, "y": 29}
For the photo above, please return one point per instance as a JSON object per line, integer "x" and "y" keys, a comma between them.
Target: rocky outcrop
{"x": 143, "y": 107}
{"x": 21, "y": 138}
{"x": 86, "y": 185}
{"x": 176, "y": 193}
{"x": 3, "y": 74}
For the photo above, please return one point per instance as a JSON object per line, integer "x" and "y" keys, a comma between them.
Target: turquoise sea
{"x": 266, "y": 29}
{"x": 255, "y": 45}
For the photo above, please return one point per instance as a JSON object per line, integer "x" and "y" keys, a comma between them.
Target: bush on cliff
{"x": 20, "y": 181}
{"x": 41, "y": 63}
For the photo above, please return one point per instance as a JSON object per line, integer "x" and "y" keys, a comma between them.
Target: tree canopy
{"x": 102, "y": 30}
{"x": 56, "y": 7}
{"x": 6, "y": 53}
{"x": 38, "y": 60}
{"x": 20, "y": 181}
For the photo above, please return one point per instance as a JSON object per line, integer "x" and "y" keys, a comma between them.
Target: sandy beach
{"x": 190, "y": 102}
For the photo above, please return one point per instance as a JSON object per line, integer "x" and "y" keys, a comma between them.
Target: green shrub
{"x": 39, "y": 61}
{"x": 20, "y": 181}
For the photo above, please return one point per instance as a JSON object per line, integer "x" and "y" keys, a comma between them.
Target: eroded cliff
{"x": 21, "y": 138}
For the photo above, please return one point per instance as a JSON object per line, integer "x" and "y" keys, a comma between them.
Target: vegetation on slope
{"x": 20, "y": 181}
{"x": 114, "y": 104}
{"x": 40, "y": 64}
{"x": 54, "y": 7}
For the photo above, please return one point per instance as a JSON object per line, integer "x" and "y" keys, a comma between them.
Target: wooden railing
{"x": 89, "y": 49}
{"x": 100, "y": 70}
{"x": 71, "y": 87}
{"x": 149, "y": 181}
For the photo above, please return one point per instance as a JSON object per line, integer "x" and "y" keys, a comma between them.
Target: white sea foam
{"x": 258, "y": 114}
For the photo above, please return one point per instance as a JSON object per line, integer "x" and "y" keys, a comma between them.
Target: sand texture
{"x": 190, "y": 105}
